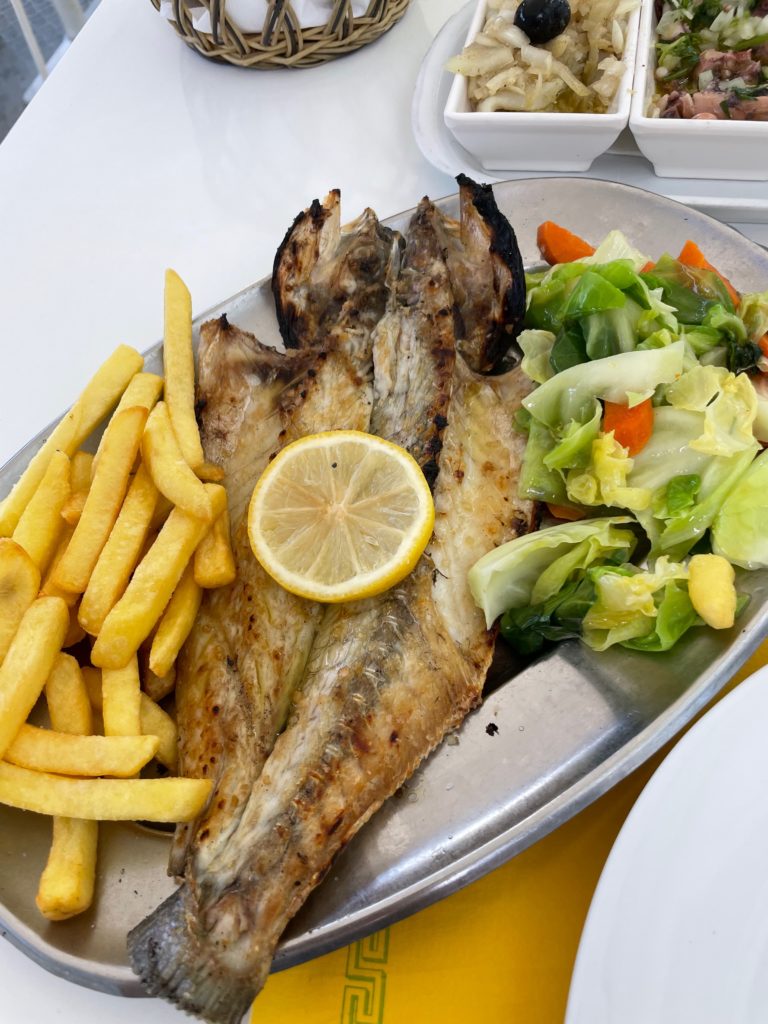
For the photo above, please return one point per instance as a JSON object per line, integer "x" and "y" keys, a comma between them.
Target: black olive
{"x": 542, "y": 20}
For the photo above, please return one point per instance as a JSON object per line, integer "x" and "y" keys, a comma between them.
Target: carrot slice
{"x": 692, "y": 256}
{"x": 564, "y": 512}
{"x": 558, "y": 245}
{"x": 633, "y": 427}
{"x": 648, "y": 267}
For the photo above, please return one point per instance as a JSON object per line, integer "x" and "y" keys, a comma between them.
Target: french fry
{"x": 69, "y": 707}
{"x": 176, "y": 623}
{"x": 156, "y": 687}
{"x": 105, "y": 497}
{"x": 75, "y": 632}
{"x": 67, "y": 883}
{"x": 210, "y": 473}
{"x": 214, "y": 561}
{"x": 73, "y": 508}
{"x": 168, "y": 468}
{"x": 121, "y": 701}
{"x": 149, "y": 540}
{"x": 179, "y": 363}
{"x": 19, "y": 584}
{"x": 92, "y": 681}
{"x": 154, "y": 721}
{"x": 133, "y": 617}
{"x": 28, "y": 663}
{"x": 103, "y": 799}
{"x": 81, "y": 470}
{"x": 144, "y": 389}
{"x": 162, "y": 511}
{"x": 97, "y": 399}
{"x": 121, "y": 553}
{"x": 40, "y": 526}
{"x": 44, "y": 750}
{"x": 48, "y": 588}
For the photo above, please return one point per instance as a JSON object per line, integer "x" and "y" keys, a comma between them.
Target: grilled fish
{"x": 249, "y": 647}
{"x": 385, "y": 679}
{"x": 326, "y": 274}
{"x": 486, "y": 273}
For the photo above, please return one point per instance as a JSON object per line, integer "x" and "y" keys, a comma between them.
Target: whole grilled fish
{"x": 385, "y": 679}
{"x": 251, "y": 640}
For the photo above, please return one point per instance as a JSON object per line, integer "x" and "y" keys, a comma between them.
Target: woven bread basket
{"x": 282, "y": 41}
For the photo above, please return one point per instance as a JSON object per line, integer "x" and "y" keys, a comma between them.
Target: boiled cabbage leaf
{"x": 604, "y": 480}
{"x": 570, "y": 395}
{"x": 740, "y": 529}
{"x": 506, "y": 577}
{"x": 626, "y": 604}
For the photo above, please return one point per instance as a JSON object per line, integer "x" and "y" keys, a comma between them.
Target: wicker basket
{"x": 283, "y": 42}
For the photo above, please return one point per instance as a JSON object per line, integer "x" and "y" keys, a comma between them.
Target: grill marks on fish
{"x": 415, "y": 349}
{"x": 378, "y": 668}
{"x": 486, "y": 274}
{"x": 325, "y": 273}
{"x": 220, "y": 707}
{"x": 476, "y": 502}
{"x": 385, "y": 678}
{"x": 248, "y": 650}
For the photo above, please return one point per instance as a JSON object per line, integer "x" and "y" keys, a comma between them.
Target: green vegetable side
{"x": 644, "y": 430}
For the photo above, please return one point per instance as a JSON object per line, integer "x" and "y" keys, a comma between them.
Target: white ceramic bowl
{"x": 680, "y": 148}
{"x": 517, "y": 141}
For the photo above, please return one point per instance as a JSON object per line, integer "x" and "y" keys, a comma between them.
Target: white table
{"x": 136, "y": 155}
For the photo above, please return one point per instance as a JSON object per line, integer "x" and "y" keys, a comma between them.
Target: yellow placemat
{"x": 499, "y": 951}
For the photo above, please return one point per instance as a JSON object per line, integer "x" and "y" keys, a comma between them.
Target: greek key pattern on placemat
{"x": 366, "y": 980}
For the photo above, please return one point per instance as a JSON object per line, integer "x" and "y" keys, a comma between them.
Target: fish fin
{"x": 173, "y": 963}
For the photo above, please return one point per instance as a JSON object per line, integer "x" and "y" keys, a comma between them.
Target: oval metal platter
{"x": 568, "y": 727}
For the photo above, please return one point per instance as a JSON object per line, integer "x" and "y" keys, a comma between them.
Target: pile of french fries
{"x": 107, "y": 554}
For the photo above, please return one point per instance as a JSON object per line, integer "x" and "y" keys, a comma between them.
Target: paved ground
{"x": 17, "y": 69}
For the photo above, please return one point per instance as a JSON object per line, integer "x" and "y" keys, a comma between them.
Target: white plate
{"x": 743, "y": 201}
{"x": 678, "y": 928}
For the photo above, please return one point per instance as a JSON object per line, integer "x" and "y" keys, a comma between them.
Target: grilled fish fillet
{"x": 386, "y": 678}
{"x": 251, "y": 640}
{"x": 486, "y": 273}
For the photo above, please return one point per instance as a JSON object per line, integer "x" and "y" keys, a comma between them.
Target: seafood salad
{"x": 306, "y": 717}
{"x": 712, "y": 60}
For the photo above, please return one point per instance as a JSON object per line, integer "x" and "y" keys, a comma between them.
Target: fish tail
{"x": 173, "y": 963}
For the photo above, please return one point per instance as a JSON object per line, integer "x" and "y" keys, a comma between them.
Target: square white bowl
{"x": 521, "y": 141}
{"x": 680, "y": 148}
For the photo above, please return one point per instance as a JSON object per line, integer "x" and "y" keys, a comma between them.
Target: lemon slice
{"x": 340, "y": 515}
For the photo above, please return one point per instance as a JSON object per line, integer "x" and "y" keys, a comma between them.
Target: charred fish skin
{"x": 487, "y": 275}
{"x": 248, "y": 650}
{"x": 325, "y": 273}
